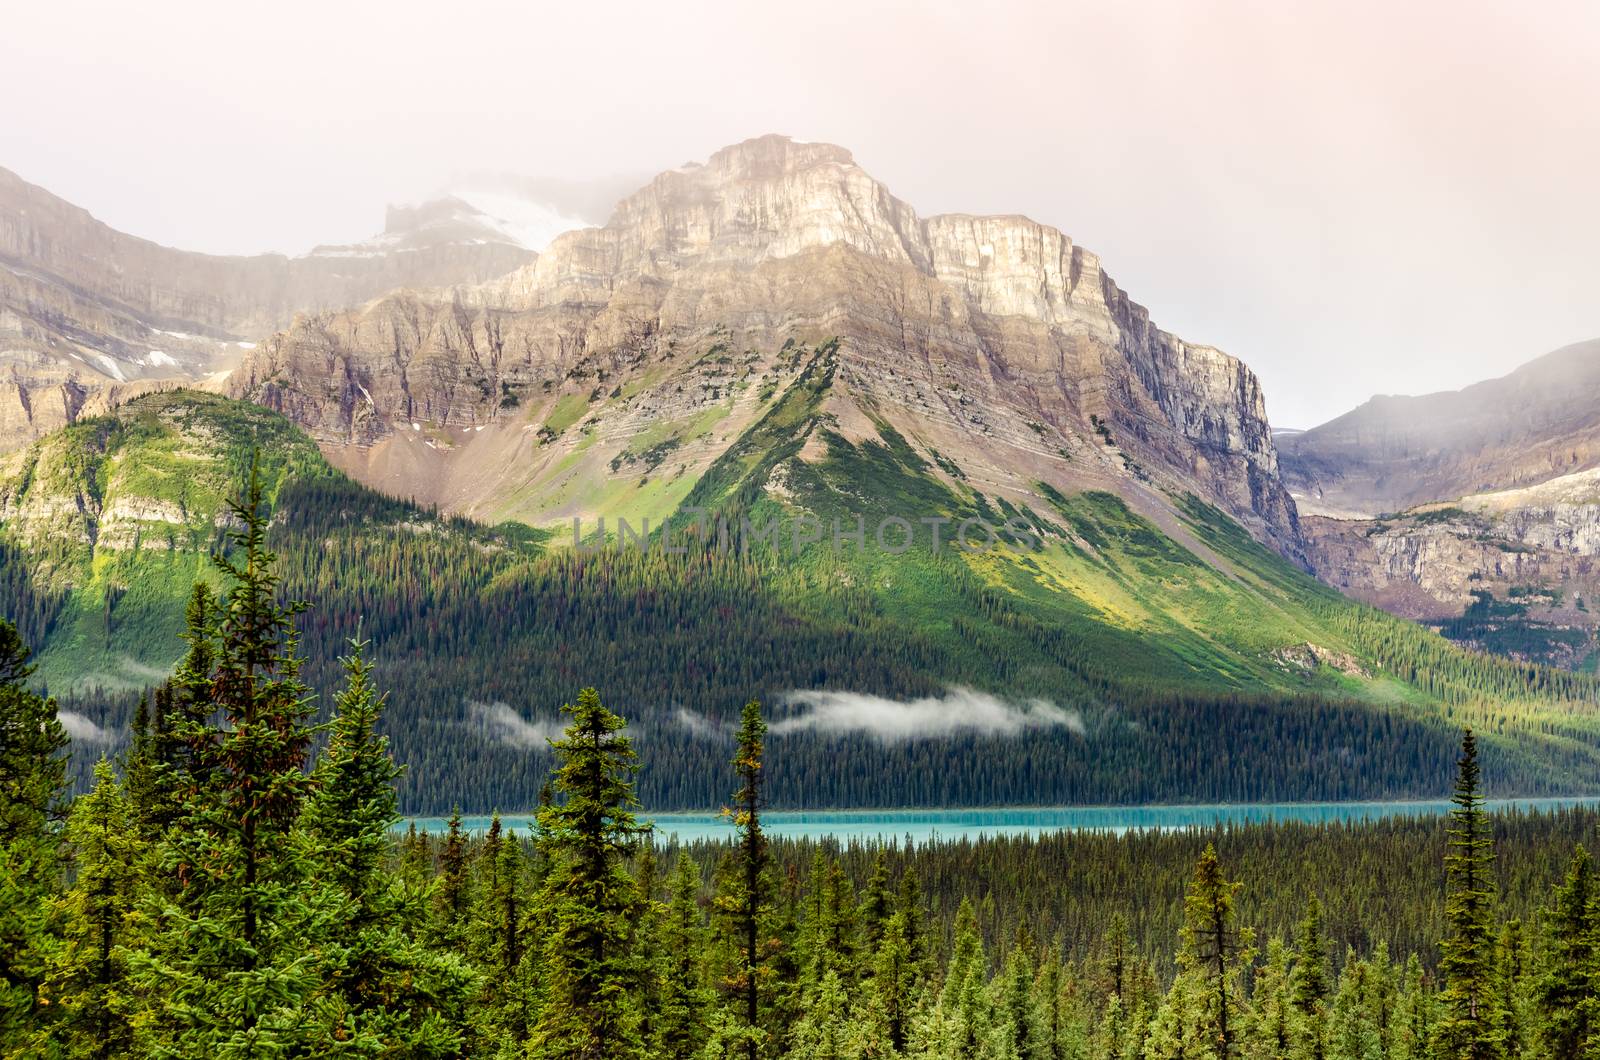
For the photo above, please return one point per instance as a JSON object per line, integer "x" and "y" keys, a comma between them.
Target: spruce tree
{"x": 88, "y": 983}
{"x": 1216, "y": 949}
{"x": 589, "y": 900}
{"x": 895, "y": 984}
{"x": 877, "y": 903}
{"x": 32, "y": 781}
{"x": 1470, "y": 1024}
{"x": 1274, "y": 1028}
{"x": 451, "y": 891}
{"x": 1311, "y": 984}
{"x": 394, "y": 995}
{"x": 683, "y": 1021}
{"x": 224, "y": 967}
{"x": 1568, "y": 993}
{"x": 744, "y": 893}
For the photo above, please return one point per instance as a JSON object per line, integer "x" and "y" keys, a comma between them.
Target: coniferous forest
{"x": 234, "y": 885}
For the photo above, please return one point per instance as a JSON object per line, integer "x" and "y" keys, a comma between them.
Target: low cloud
{"x": 699, "y": 725}
{"x": 81, "y": 729}
{"x": 958, "y": 711}
{"x": 499, "y": 722}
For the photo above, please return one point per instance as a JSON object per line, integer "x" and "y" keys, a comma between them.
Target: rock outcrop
{"x": 994, "y": 343}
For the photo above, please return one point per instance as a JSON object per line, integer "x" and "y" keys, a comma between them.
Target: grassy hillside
{"x": 1178, "y": 662}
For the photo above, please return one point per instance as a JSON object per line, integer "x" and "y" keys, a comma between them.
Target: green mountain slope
{"x": 1096, "y": 656}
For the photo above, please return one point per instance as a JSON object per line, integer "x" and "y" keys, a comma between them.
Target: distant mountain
{"x": 89, "y": 315}
{"x": 606, "y": 378}
{"x": 1477, "y": 510}
{"x": 1541, "y": 421}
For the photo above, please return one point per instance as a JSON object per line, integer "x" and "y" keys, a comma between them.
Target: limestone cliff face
{"x": 1523, "y": 562}
{"x": 1478, "y": 509}
{"x": 85, "y": 308}
{"x": 995, "y": 342}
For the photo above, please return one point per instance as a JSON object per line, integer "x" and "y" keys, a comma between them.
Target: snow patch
{"x": 523, "y": 221}
{"x": 161, "y": 357}
{"x": 113, "y": 369}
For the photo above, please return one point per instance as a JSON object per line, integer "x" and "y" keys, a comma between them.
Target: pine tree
{"x": 1569, "y": 991}
{"x": 32, "y": 781}
{"x": 224, "y": 966}
{"x": 1470, "y": 1026}
{"x": 1274, "y": 1028}
{"x": 683, "y": 1022}
{"x": 87, "y": 984}
{"x": 1215, "y": 948}
{"x": 589, "y": 900}
{"x": 744, "y": 893}
{"x": 395, "y": 996}
{"x": 451, "y": 896}
{"x": 895, "y": 983}
{"x": 877, "y": 904}
{"x": 1311, "y": 980}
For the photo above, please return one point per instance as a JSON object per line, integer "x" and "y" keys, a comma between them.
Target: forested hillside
{"x": 1119, "y": 661}
{"x": 223, "y": 890}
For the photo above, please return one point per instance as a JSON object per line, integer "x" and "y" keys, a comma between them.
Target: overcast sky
{"x": 1355, "y": 198}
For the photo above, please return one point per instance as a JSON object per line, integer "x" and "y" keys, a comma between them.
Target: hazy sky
{"x": 1353, "y": 197}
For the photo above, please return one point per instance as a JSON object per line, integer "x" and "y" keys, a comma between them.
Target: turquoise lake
{"x": 923, "y": 825}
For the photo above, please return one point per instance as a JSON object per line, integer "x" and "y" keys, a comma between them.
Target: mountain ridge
{"x": 994, "y": 335}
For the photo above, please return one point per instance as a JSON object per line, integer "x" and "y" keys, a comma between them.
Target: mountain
{"x": 1393, "y": 453}
{"x": 607, "y": 377}
{"x": 89, "y": 315}
{"x": 774, "y": 361}
{"x": 1476, "y": 510}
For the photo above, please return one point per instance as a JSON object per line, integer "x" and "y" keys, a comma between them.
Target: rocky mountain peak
{"x": 994, "y": 342}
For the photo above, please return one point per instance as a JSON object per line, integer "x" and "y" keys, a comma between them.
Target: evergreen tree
{"x": 1017, "y": 1031}
{"x": 825, "y": 1031}
{"x": 1568, "y": 993}
{"x": 451, "y": 895}
{"x": 1216, "y": 949}
{"x": 32, "y": 780}
{"x": 225, "y": 966}
{"x": 744, "y": 893}
{"x": 395, "y": 996}
{"x": 1471, "y": 1024}
{"x": 1517, "y": 1001}
{"x": 877, "y": 904}
{"x": 963, "y": 1016}
{"x": 1275, "y": 1027}
{"x": 589, "y": 900}
{"x": 87, "y": 984}
{"x": 895, "y": 984}
{"x": 683, "y": 1021}
{"x": 1312, "y": 984}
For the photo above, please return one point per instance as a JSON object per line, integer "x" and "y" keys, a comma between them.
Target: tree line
{"x": 233, "y": 891}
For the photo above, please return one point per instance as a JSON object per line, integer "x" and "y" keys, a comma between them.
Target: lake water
{"x": 922, "y": 825}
